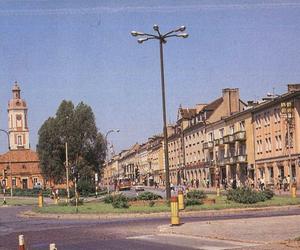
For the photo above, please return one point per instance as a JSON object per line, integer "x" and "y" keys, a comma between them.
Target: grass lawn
{"x": 19, "y": 201}
{"x": 221, "y": 203}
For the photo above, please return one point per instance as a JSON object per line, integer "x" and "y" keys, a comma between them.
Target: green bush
{"x": 247, "y": 195}
{"x": 108, "y": 198}
{"x": 120, "y": 201}
{"x": 73, "y": 202}
{"x": 151, "y": 203}
{"x": 29, "y": 192}
{"x": 85, "y": 187}
{"x": 196, "y": 194}
{"x": 268, "y": 193}
{"x": 148, "y": 196}
{"x": 193, "y": 202}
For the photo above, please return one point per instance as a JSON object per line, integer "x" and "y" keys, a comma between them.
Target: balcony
{"x": 228, "y": 139}
{"x": 217, "y": 142}
{"x": 240, "y": 136}
{"x": 208, "y": 145}
{"x": 210, "y": 163}
{"x": 221, "y": 141}
{"x": 221, "y": 162}
{"x": 230, "y": 160}
{"x": 241, "y": 158}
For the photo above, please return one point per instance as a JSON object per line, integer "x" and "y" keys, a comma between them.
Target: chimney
{"x": 231, "y": 98}
{"x": 293, "y": 87}
{"x": 170, "y": 130}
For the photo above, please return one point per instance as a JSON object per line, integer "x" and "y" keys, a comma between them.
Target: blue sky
{"x": 83, "y": 51}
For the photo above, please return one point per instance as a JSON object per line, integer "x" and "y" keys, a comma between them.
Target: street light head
{"x": 141, "y": 40}
{"x": 134, "y": 33}
{"x": 182, "y": 28}
{"x": 183, "y": 35}
{"x": 155, "y": 27}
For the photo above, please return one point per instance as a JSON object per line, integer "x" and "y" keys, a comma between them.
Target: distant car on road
{"x": 38, "y": 185}
{"x": 124, "y": 184}
{"x": 139, "y": 188}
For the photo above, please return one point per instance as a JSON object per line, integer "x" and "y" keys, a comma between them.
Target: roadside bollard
{"x": 55, "y": 199}
{"x": 21, "y": 242}
{"x": 52, "y": 246}
{"x": 41, "y": 199}
{"x": 294, "y": 191}
{"x": 180, "y": 200}
{"x": 174, "y": 211}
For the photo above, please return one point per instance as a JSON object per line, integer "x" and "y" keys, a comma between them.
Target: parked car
{"x": 38, "y": 185}
{"x": 139, "y": 188}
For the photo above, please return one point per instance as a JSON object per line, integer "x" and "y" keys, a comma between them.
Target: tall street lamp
{"x": 106, "y": 135}
{"x": 162, "y": 38}
{"x": 67, "y": 163}
{"x": 9, "y": 161}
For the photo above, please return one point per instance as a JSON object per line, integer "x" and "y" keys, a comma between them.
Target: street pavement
{"x": 261, "y": 229}
{"x": 252, "y": 232}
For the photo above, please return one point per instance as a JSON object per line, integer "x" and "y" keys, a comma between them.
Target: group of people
{"x": 283, "y": 183}
{"x": 196, "y": 183}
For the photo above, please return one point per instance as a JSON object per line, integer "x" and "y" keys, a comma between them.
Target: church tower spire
{"x": 17, "y": 120}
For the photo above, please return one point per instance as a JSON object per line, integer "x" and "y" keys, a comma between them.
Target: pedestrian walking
{"x": 207, "y": 183}
{"x": 262, "y": 184}
{"x": 288, "y": 180}
{"x": 234, "y": 184}
{"x": 284, "y": 183}
{"x": 197, "y": 183}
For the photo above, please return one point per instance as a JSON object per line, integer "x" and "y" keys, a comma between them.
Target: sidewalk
{"x": 269, "y": 233}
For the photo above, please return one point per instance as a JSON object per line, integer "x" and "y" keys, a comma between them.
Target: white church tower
{"x": 17, "y": 121}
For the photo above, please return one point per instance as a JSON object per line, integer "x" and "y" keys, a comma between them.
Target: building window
{"x": 279, "y": 143}
{"x": 210, "y": 136}
{"x": 14, "y": 182}
{"x": 267, "y": 145}
{"x": 19, "y": 140}
{"x": 242, "y": 126}
{"x": 231, "y": 129}
{"x": 221, "y": 132}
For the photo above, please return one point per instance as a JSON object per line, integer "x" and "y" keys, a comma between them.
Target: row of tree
{"x": 75, "y": 126}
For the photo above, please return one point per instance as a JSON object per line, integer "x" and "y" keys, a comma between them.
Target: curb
{"x": 184, "y": 214}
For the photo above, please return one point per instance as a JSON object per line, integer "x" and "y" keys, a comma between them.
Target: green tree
{"x": 86, "y": 146}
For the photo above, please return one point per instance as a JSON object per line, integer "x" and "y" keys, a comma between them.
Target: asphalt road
{"x": 125, "y": 233}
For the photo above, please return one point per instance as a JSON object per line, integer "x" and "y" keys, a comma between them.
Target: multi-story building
{"x": 143, "y": 164}
{"x": 276, "y": 126}
{"x": 228, "y": 141}
{"x": 156, "y": 160}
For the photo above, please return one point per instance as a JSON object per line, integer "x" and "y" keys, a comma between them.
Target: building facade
{"x": 230, "y": 141}
{"x": 19, "y": 166}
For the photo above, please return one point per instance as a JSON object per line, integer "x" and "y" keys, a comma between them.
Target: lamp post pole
{"x": 9, "y": 161}
{"x": 106, "y": 135}
{"x": 67, "y": 160}
{"x": 162, "y": 40}
{"x": 67, "y": 172}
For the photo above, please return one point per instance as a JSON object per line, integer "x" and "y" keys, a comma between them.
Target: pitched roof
{"x": 213, "y": 105}
{"x": 21, "y": 155}
{"x": 187, "y": 113}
